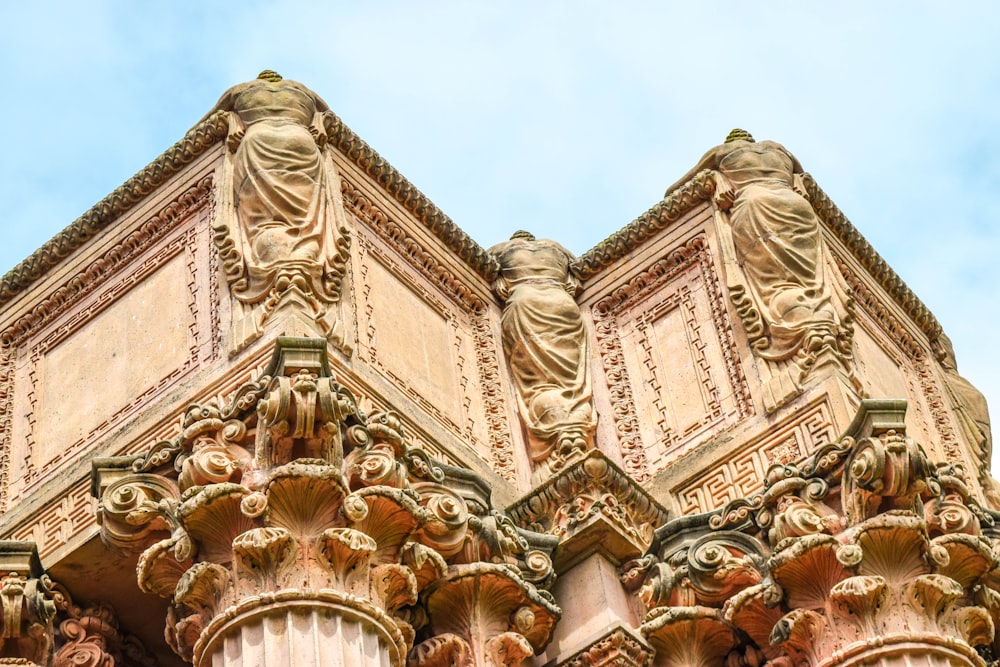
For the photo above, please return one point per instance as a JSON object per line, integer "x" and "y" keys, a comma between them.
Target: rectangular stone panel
{"x": 668, "y": 337}
{"x": 409, "y": 335}
{"x": 97, "y": 364}
{"x": 121, "y": 353}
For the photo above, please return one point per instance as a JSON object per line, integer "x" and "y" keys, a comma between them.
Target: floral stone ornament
{"x": 287, "y": 518}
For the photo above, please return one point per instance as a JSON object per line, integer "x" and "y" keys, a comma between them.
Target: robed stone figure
{"x": 545, "y": 342}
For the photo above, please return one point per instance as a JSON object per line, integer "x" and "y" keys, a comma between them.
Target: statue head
{"x": 739, "y": 135}
{"x": 270, "y": 76}
{"x": 521, "y": 234}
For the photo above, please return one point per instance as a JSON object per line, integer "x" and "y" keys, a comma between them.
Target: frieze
{"x": 6, "y": 414}
{"x": 692, "y": 255}
{"x": 198, "y": 140}
{"x": 69, "y": 516}
{"x": 742, "y": 474}
{"x": 475, "y": 309}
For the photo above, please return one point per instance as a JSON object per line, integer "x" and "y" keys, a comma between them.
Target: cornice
{"x": 404, "y": 192}
{"x": 699, "y": 189}
{"x": 869, "y": 258}
{"x": 196, "y": 142}
{"x": 207, "y": 133}
{"x": 667, "y": 211}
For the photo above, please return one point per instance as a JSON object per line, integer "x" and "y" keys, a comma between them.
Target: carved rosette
{"x": 866, "y": 554}
{"x": 288, "y": 522}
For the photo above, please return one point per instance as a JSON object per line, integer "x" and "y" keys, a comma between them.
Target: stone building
{"x": 265, "y": 404}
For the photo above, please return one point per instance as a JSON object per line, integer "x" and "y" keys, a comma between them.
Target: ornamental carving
{"x": 40, "y": 624}
{"x": 973, "y": 415}
{"x": 796, "y": 313}
{"x": 278, "y": 232}
{"x": 592, "y": 492}
{"x": 288, "y": 502}
{"x": 867, "y": 553}
{"x": 545, "y": 342}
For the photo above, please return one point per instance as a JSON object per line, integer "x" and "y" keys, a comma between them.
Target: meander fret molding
{"x": 284, "y": 524}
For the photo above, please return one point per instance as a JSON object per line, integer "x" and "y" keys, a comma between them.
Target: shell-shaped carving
{"x": 807, "y": 570}
{"x": 158, "y": 570}
{"x": 859, "y": 598}
{"x": 508, "y": 649}
{"x": 202, "y": 587}
{"x": 394, "y": 586}
{"x": 213, "y": 517}
{"x": 426, "y": 564}
{"x": 444, "y": 650}
{"x": 797, "y": 631}
{"x": 930, "y": 594}
{"x": 392, "y": 517}
{"x": 262, "y": 556}
{"x": 969, "y": 558}
{"x": 305, "y": 498}
{"x": 481, "y": 600}
{"x": 696, "y": 636}
{"x": 346, "y": 553}
{"x": 973, "y": 624}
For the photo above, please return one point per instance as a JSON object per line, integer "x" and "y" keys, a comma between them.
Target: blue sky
{"x": 564, "y": 118}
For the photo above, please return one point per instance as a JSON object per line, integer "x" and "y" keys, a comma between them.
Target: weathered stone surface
{"x": 671, "y": 420}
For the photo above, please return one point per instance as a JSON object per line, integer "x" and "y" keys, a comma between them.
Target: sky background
{"x": 567, "y": 119}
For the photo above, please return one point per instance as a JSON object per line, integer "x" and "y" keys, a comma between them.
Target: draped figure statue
{"x": 799, "y": 307}
{"x": 972, "y": 413}
{"x": 545, "y": 342}
{"x": 285, "y": 234}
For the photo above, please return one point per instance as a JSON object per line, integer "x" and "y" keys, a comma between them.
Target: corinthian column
{"x": 288, "y": 528}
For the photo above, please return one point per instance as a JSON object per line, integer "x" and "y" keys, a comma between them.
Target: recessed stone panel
{"x": 667, "y": 336}
{"x": 410, "y": 337}
{"x": 123, "y": 352}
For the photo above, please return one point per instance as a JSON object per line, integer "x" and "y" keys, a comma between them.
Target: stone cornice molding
{"x": 668, "y": 210}
{"x": 197, "y": 141}
{"x": 699, "y": 190}
{"x": 208, "y": 132}
{"x": 889, "y": 280}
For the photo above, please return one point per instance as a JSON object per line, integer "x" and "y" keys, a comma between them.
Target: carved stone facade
{"x": 266, "y": 404}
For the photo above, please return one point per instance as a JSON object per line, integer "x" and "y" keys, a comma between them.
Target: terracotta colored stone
{"x": 265, "y": 404}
